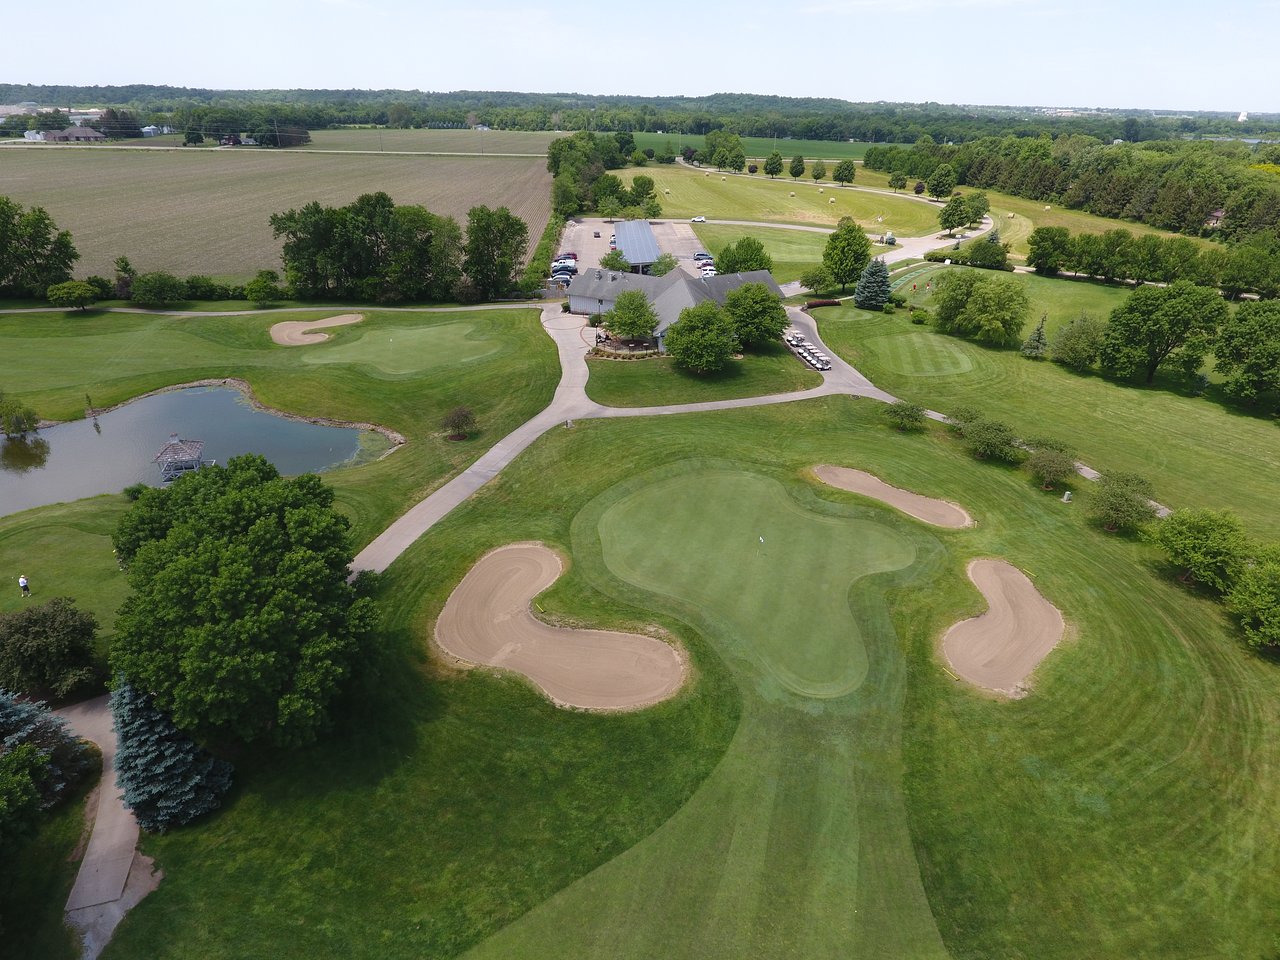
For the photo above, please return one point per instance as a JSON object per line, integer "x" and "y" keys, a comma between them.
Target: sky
{"x": 1159, "y": 54}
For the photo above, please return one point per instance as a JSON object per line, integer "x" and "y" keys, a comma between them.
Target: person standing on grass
{"x": 26, "y": 587}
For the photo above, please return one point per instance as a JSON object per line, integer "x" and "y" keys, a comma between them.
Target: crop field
{"x": 1196, "y": 450}
{"x": 483, "y": 142}
{"x": 727, "y": 197}
{"x": 206, "y": 211}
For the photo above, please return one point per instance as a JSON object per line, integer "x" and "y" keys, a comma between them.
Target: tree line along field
{"x": 757, "y": 148}
{"x": 1198, "y": 451}
{"x": 205, "y": 211}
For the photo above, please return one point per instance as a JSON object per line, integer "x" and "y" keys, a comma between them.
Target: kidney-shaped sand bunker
{"x": 487, "y": 621}
{"x": 999, "y": 649}
{"x": 299, "y": 333}
{"x": 940, "y": 513}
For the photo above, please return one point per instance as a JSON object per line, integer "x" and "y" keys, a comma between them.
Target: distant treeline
{"x": 744, "y": 114}
{"x": 1222, "y": 189}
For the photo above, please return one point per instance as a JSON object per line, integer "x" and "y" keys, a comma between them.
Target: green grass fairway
{"x": 644, "y": 383}
{"x": 500, "y": 363}
{"x": 728, "y": 197}
{"x": 1129, "y": 807}
{"x": 793, "y": 251}
{"x": 1196, "y": 451}
{"x": 403, "y": 352}
{"x": 206, "y": 211}
{"x": 65, "y": 550}
{"x": 760, "y": 147}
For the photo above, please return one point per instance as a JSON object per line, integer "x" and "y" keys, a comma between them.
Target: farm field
{"x": 838, "y": 797}
{"x": 1197, "y": 451}
{"x": 642, "y": 383}
{"x": 206, "y": 211}
{"x": 500, "y": 363}
{"x": 793, "y": 251}
{"x": 483, "y": 142}
{"x": 696, "y": 192}
{"x": 760, "y": 147}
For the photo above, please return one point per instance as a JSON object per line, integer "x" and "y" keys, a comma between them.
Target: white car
{"x": 697, "y": 219}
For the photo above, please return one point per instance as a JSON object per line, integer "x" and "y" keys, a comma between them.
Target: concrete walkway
{"x": 113, "y": 876}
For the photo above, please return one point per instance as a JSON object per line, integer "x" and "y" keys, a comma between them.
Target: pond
{"x": 84, "y": 458}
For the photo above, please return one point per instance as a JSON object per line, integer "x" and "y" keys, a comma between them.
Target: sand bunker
{"x": 940, "y": 513}
{"x": 999, "y": 649}
{"x": 299, "y": 333}
{"x": 487, "y": 621}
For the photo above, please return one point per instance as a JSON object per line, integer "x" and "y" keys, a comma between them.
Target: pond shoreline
{"x": 242, "y": 386}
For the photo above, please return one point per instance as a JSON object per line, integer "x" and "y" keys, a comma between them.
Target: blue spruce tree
{"x": 872, "y": 291}
{"x": 167, "y": 780}
{"x": 68, "y": 759}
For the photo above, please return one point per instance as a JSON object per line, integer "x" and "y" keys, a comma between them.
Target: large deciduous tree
{"x": 845, "y": 172}
{"x": 1156, "y": 324}
{"x": 985, "y": 308}
{"x": 954, "y": 214}
{"x": 242, "y": 624}
{"x": 1209, "y": 545}
{"x": 1247, "y": 350}
{"x": 1122, "y": 502}
{"x": 773, "y": 164}
{"x": 942, "y": 182}
{"x": 758, "y": 316}
{"x": 1049, "y": 250}
{"x": 632, "y": 316}
{"x": 897, "y": 181}
{"x": 702, "y": 340}
{"x": 34, "y": 253}
{"x": 797, "y": 168}
{"x": 494, "y": 251}
{"x": 747, "y": 253}
{"x": 818, "y": 171}
{"x": 1255, "y": 598}
{"x": 74, "y": 294}
{"x": 847, "y": 253}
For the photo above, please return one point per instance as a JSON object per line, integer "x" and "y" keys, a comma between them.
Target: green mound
{"x": 400, "y": 351}
{"x": 797, "y": 844}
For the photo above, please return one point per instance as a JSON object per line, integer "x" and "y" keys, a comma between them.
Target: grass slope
{"x": 643, "y": 383}
{"x": 206, "y": 211}
{"x": 500, "y": 363}
{"x": 1197, "y": 452}
{"x": 793, "y": 251}
{"x": 730, "y": 197}
{"x": 1128, "y": 807}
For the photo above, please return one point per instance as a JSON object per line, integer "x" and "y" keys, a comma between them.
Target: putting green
{"x": 401, "y": 351}
{"x": 797, "y": 845}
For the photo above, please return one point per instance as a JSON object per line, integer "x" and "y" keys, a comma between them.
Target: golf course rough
{"x": 1001, "y": 648}
{"x": 939, "y": 513}
{"x": 797, "y": 844}
{"x": 487, "y": 621}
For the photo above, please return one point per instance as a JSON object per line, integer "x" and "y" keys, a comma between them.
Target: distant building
{"x": 36, "y": 135}
{"x": 150, "y": 130}
{"x": 1215, "y": 218}
{"x": 75, "y": 135}
{"x": 1242, "y": 118}
{"x": 596, "y": 291}
{"x": 178, "y": 456}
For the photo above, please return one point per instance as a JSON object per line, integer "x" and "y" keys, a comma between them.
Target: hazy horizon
{"x": 1089, "y": 54}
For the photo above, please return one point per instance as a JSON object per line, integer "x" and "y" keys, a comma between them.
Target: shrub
{"x": 990, "y": 439}
{"x": 134, "y": 491}
{"x": 809, "y": 305}
{"x": 74, "y": 294}
{"x": 1122, "y": 502}
{"x": 47, "y": 649}
{"x": 919, "y": 317}
{"x": 1255, "y": 599}
{"x": 1077, "y": 344}
{"x": 103, "y": 288}
{"x": 816, "y": 279}
{"x": 67, "y": 758}
{"x": 263, "y": 288}
{"x": 458, "y": 423}
{"x": 960, "y": 417}
{"x": 889, "y": 308}
{"x": 158, "y": 289}
{"x": 166, "y": 779}
{"x": 205, "y": 288}
{"x": 905, "y": 416}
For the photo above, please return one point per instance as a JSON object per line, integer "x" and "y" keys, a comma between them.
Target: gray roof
{"x": 683, "y": 291}
{"x": 723, "y": 284}
{"x": 177, "y": 449}
{"x": 598, "y": 283}
{"x": 636, "y": 242}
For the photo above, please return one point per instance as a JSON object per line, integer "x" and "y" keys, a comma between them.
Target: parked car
{"x": 697, "y": 219}
{"x": 596, "y": 234}
{"x": 702, "y": 255}
{"x": 568, "y": 255}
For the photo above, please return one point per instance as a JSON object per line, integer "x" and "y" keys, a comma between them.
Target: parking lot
{"x": 673, "y": 236}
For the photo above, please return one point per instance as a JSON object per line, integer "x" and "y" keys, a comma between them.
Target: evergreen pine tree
{"x": 1036, "y": 346}
{"x": 167, "y": 780}
{"x": 25, "y": 722}
{"x": 872, "y": 291}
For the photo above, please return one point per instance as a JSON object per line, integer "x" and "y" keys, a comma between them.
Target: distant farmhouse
{"x": 596, "y": 291}
{"x": 74, "y": 135}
